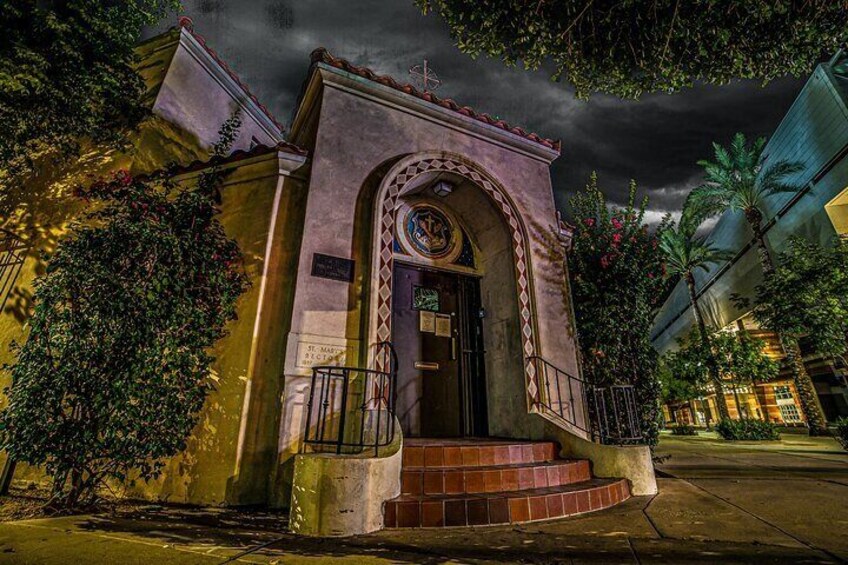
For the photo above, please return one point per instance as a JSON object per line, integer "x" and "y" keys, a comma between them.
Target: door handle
{"x": 453, "y": 349}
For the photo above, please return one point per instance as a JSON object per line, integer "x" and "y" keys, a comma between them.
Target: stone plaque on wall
{"x": 311, "y": 354}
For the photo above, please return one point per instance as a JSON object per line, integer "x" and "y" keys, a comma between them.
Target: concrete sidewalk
{"x": 781, "y": 502}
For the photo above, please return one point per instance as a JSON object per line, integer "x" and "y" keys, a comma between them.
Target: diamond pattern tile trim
{"x": 388, "y": 213}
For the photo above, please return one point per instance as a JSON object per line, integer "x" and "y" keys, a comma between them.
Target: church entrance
{"x": 438, "y": 335}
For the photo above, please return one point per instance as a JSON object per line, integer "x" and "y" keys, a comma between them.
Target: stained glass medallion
{"x": 430, "y": 231}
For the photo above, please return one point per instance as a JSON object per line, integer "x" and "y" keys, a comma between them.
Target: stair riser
{"x": 471, "y": 480}
{"x": 477, "y": 456}
{"x": 495, "y": 510}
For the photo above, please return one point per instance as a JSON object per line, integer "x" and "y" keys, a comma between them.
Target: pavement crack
{"x": 633, "y": 551}
{"x": 649, "y": 519}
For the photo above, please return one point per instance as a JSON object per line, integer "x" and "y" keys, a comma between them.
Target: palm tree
{"x": 685, "y": 253}
{"x": 737, "y": 180}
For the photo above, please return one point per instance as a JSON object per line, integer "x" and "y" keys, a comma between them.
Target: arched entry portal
{"x": 507, "y": 346}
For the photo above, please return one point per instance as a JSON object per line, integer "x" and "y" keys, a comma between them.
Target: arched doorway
{"x": 455, "y": 298}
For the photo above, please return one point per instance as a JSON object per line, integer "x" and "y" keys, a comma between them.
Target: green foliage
{"x": 627, "y": 48}
{"x": 118, "y": 362}
{"x": 738, "y": 180}
{"x": 842, "y": 432}
{"x": 683, "y": 430}
{"x": 747, "y": 430}
{"x": 66, "y": 73}
{"x": 685, "y": 253}
{"x": 807, "y": 295}
{"x": 685, "y": 373}
{"x": 617, "y": 280}
{"x": 741, "y": 359}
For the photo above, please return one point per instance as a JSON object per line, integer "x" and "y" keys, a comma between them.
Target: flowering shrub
{"x": 617, "y": 282}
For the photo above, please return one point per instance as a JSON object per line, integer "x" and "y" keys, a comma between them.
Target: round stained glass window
{"x": 430, "y": 231}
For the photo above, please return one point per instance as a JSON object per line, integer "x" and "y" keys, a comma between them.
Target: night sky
{"x": 655, "y": 140}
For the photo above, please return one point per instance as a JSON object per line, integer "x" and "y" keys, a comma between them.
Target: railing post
{"x": 345, "y": 375}
{"x": 571, "y": 399}
{"x": 559, "y": 393}
{"x": 309, "y": 406}
{"x": 377, "y": 427}
{"x": 363, "y": 408}
{"x": 323, "y": 404}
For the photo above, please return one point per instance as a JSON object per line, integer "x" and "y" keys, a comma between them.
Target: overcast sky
{"x": 656, "y": 140}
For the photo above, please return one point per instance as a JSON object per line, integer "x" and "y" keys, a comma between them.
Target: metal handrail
{"x": 350, "y": 409}
{"x": 610, "y": 414}
{"x": 554, "y": 381}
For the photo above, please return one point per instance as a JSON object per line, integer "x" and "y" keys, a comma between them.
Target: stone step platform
{"x": 451, "y": 453}
{"x": 513, "y": 507}
{"x": 495, "y": 478}
{"x": 478, "y": 482}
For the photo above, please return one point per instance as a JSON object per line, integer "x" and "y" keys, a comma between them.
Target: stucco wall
{"x": 506, "y": 399}
{"x": 193, "y": 96}
{"x": 357, "y": 136}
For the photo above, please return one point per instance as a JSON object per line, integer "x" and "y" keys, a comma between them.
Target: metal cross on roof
{"x": 425, "y": 78}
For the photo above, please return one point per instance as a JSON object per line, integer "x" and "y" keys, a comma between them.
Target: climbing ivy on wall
{"x": 617, "y": 283}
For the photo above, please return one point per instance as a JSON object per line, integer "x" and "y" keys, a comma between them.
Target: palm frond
{"x": 708, "y": 200}
{"x": 772, "y": 180}
{"x": 685, "y": 253}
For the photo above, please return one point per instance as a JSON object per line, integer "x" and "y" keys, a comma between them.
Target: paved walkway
{"x": 780, "y": 502}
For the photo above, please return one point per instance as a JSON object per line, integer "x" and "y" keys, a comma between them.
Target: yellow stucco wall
{"x": 204, "y": 473}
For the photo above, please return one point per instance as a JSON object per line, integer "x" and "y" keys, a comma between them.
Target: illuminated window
{"x": 783, "y": 393}
{"x": 789, "y": 413}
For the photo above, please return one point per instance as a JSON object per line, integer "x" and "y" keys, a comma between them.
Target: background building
{"x": 814, "y": 132}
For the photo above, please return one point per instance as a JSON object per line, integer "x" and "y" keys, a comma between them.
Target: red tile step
{"x": 496, "y": 478}
{"x": 530, "y": 505}
{"x": 474, "y": 453}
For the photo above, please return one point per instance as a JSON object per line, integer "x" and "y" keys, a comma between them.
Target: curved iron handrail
{"x": 351, "y": 409}
{"x": 610, "y": 414}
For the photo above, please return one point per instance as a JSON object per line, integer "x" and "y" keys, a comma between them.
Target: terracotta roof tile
{"x": 321, "y": 55}
{"x": 187, "y": 24}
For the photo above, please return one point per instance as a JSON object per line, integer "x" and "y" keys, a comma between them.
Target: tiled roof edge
{"x": 321, "y": 55}
{"x": 186, "y": 23}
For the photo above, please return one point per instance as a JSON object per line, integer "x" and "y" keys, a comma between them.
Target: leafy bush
{"x": 118, "y": 362}
{"x": 750, "y": 430}
{"x": 683, "y": 430}
{"x": 842, "y": 432}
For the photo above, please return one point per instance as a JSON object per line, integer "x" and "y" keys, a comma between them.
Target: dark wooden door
{"x": 475, "y": 420}
{"x": 425, "y": 328}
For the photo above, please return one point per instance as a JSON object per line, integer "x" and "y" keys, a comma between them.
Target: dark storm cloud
{"x": 655, "y": 140}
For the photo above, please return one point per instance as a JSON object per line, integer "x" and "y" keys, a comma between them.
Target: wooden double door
{"x": 437, "y": 326}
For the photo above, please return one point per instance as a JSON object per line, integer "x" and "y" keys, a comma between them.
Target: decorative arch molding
{"x": 394, "y": 185}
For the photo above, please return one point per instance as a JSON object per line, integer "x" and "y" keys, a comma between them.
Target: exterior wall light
{"x": 442, "y": 188}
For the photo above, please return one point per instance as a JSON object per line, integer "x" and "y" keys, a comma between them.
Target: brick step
{"x": 420, "y": 453}
{"x": 489, "y": 479}
{"x": 436, "y": 511}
